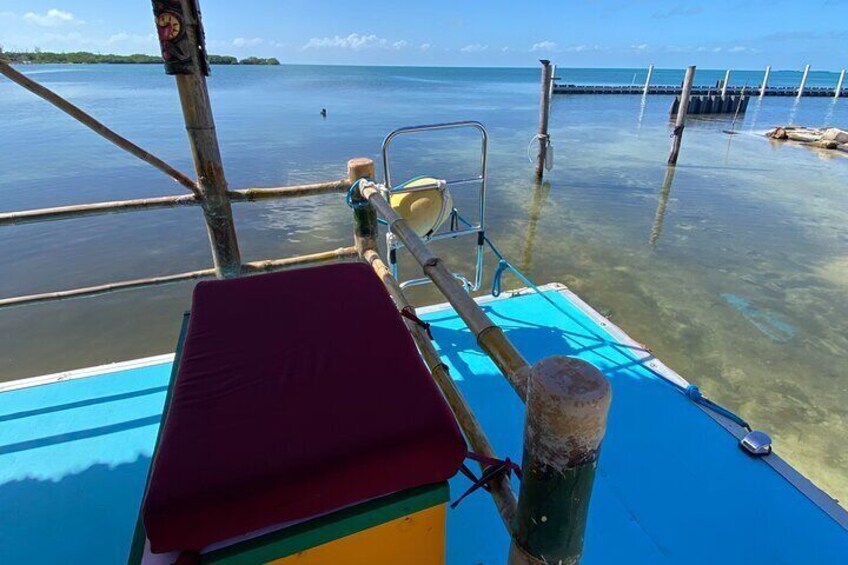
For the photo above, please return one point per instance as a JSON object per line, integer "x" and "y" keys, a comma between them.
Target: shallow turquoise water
{"x": 735, "y": 271}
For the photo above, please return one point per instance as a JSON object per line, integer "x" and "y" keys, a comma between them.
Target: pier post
{"x": 838, "y": 91}
{"x": 544, "y": 116}
{"x": 364, "y": 215}
{"x": 184, "y": 54}
{"x": 566, "y": 413}
{"x": 648, "y": 80}
{"x": 724, "y": 84}
{"x": 803, "y": 81}
{"x": 680, "y": 122}
{"x": 765, "y": 81}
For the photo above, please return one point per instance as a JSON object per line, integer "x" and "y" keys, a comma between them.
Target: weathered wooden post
{"x": 724, "y": 84}
{"x": 567, "y": 404}
{"x": 648, "y": 80}
{"x": 803, "y": 81}
{"x": 765, "y": 81}
{"x": 838, "y": 91}
{"x": 183, "y": 50}
{"x": 680, "y": 123}
{"x": 364, "y": 215}
{"x": 544, "y": 116}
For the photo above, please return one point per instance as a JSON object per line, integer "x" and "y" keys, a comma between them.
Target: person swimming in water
{"x": 323, "y": 112}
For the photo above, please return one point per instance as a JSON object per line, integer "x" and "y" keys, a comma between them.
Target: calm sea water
{"x": 735, "y": 273}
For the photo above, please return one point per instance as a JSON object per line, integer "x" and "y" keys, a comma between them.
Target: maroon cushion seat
{"x": 298, "y": 393}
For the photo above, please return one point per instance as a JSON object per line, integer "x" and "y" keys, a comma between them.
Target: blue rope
{"x": 351, "y": 194}
{"x": 694, "y": 394}
{"x": 692, "y": 391}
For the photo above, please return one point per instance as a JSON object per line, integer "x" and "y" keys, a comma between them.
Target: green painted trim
{"x": 137, "y": 547}
{"x": 333, "y": 526}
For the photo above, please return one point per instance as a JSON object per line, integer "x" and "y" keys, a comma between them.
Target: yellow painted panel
{"x": 416, "y": 539}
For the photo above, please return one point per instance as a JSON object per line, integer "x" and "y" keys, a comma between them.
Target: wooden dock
{"x": 696, "y": 90}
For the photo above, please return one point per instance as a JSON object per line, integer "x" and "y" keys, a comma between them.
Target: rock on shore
{"x": 828, "y": 138}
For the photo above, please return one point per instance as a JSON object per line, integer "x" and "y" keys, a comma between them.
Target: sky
{"x": 746, "y": 34}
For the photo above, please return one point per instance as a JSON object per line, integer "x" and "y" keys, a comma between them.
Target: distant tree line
{"x": 83, "y": 57}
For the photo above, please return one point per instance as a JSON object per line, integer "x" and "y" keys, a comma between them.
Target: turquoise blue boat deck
{"x": 672, "y": 484}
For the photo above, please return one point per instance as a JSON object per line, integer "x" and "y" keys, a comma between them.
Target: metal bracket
{"x": 454, "y": 229}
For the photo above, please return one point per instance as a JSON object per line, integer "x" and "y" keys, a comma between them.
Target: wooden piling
{"x": 185, "y": 57}
{"x": 838, "y": 91}
{"x": 764, "y": 87}
{"x": 803, "y": 81}
{"x": 680, "y": 122}
{"x": 565, "y": 420}
{"x": 364, "y": 215}
{"x": 544, "y": 116}
{"x": 725, "y": 83}
{"x": 648, "y": 80}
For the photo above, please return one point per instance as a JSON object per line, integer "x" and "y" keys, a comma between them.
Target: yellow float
{"x": 424, "y": 210}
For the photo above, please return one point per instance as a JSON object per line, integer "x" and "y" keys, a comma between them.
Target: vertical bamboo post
{"x": 648, "y": 80}
{"x": 566, "y": 414}
{"x": 680, "y": 123}
{"x": 803, "y": 81}
{"x": 765, "y": 81}
{"x": 544, "y": 116}
{"x": 364, "y": 215}
{"x": 839, "y": 84}
{"x": 182, "y": 42}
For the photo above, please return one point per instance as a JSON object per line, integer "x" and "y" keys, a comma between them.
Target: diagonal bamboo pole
{"x": 502, "y": 492}
{"x": 97, "y": 127}
{"x": 490, "y": 337}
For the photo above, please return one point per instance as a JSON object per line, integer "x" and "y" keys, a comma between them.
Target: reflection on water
{"x": 537, "y": 202}
{"x": 739, "y": 280}
{"x": 659, "y": 217}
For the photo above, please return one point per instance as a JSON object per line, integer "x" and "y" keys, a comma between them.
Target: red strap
{"x": 408, "y": 313}
{"x": 492, "y": 469}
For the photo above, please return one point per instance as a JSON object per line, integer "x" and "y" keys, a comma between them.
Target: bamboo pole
{"x": 501, "y": 489}
{"x": 648, "y": 80}
{"x": 764, "y": 87}
{"x": 565, "y": 420}
{"x": 803, "y": 81}
{"x": 838, "y": 91}
{"x": 82, "y": 210}
{"x": 118, "y": 206}
{"x": 314, "y": 189}
{"x": 341, "y": 254}
{"x": 94, "y": 125}
{"x": 364, "y": 217}
{"x": 489, "y": 336}
{"x": 544, "y": 117}
{"x": 680, "y": 123}
{"x": 200, "y": 125}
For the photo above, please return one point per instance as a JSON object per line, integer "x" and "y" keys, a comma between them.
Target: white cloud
{"x": 353, "y": 41}
{"x": 640, "y": 47}
{"x": 52, "y": 18}
{"x": 544, "y": 46}
{"x": 247, "y": 42}
{"x": 505, "y": 49}
{"x": 474, "y": 48}
{"x": 129, "y": 39}
{"x": 425, "y": 46}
